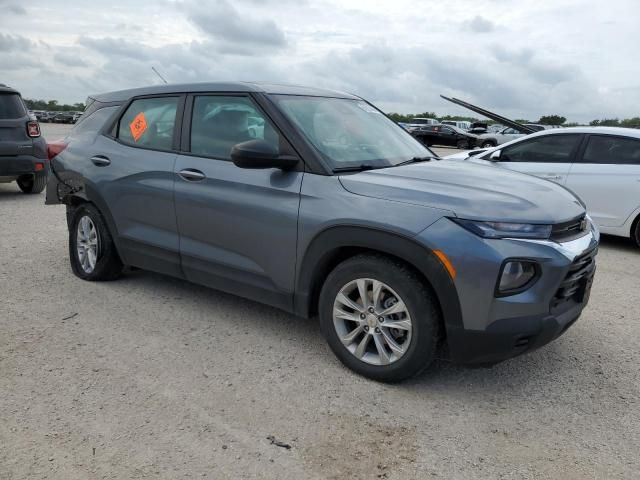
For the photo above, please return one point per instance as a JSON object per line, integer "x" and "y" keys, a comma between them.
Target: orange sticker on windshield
{"x": 138, "y": 126}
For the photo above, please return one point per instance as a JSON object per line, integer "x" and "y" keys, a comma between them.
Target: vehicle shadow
{"x": 253, "y": 314}
{"x": 620, "y": 243}
{"x": 11, "y": 190}
{"x": 541, "y": 368}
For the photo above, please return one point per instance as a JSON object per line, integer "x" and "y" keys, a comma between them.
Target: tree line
{"x": 544, "y": 120}
{"x": 53, "y": 106}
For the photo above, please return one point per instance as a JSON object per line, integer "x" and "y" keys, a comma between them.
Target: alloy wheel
{"x": 87, "y": 244}
{"x": 372, "y": 321}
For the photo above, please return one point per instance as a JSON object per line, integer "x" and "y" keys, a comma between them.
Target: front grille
{"x": 577, "y": 279}
{"x": 563, "y": 232}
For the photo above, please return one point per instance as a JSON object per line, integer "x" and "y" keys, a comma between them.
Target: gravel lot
{"x": 151, "y": 377}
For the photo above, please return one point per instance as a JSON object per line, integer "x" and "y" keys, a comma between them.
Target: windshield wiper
{"x": 355, "y": 168}
{"x": 416, "y": 160}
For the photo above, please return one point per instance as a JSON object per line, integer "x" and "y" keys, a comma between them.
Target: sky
{"x": 520, "y": 58}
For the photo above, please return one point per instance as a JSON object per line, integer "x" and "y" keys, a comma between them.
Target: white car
{"x": 600, "y": 164}
{"x": 463, "y": 125}
{"x": 506, "y": 134}
{"x": 488, "y": 140}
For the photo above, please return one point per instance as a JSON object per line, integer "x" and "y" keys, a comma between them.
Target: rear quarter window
{"x": 93, "y": 122}
{"x": 11, "y": 106}
{"x": 149, "y": 123}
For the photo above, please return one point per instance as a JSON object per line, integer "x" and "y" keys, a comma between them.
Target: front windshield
{"x": 350, "y": 133}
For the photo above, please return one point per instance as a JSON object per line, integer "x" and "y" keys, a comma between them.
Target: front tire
{"x": 32, "y": 183}
{"x": 379, "y": 318}
{"x": 487, "y": 145}
{"x": 92, "y": 252}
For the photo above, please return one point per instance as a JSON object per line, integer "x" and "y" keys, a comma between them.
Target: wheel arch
{"x": 335, "y": 244}
{"x": 634, "y": 226}
{"x": 89, "y": 195}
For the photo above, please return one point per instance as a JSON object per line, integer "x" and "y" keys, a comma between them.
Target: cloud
{"x": 392, "y": 54}
{"x": 233, "y": 32}
{"x": 16, "y": 61}
{"x": 69, "y": 60}
{"x": 9, "y": 43}
{"x": 119, "y": 47}
{"x": 479, "y": 24}
{"x": 16, "y": 9}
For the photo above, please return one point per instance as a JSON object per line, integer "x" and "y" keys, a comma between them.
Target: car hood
{"x": 468, "y": 190}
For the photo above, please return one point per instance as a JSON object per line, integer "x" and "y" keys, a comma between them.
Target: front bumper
{"x": 510, "y": 337}
{"x": 492, "y": 329}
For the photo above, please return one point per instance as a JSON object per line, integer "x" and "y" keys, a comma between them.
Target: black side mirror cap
{"x": 259, "y": 154}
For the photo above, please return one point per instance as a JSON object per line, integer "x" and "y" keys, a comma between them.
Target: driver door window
{"x": 549, "y": 149}
{"x": 547, "y": 157}
{"x": 220, "y": 122}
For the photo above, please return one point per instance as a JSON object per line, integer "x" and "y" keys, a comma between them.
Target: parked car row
{"x": 55, "y": 117}
{"x": 448, "y": 134}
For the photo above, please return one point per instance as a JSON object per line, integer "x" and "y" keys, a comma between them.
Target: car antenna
{"x": 158, "y": 73}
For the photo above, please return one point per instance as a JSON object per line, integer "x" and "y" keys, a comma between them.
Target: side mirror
{"x": 258, "y": 154}
{"x": 495, "y": 156}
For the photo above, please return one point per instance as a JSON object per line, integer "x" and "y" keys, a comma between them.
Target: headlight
{"x": 516, "y": 276}
{"x": 505, "y": 229}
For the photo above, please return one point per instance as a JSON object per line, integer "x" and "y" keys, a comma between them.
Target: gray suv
{"x": 23, "y": 152}
{"x": 327, "y": 209}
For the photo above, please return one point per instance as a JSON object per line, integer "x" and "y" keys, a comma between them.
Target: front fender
{"x": 327, "y": 248}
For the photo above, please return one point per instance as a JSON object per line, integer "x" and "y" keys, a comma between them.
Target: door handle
{"x": 552, "y": 177}
{"x": 100, "y": 161}
{"x": 192, "y": 175}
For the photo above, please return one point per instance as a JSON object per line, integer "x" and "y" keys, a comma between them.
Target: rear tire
{"x": 92, "y": 252}
{"x": 32, "y": 183}
{"x": 418, "y": 318}
{"x": 635, "y": 233}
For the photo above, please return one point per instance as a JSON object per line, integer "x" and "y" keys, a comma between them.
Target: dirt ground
{"x": 152, "y": 377}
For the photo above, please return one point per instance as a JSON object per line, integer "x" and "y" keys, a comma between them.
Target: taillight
{"x": 33, "y": 129}
{"x": 54, "y": 148}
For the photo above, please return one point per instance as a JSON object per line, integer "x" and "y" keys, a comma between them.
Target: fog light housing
{"x": 516, "y": 276}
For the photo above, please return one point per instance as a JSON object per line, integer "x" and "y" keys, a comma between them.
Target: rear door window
{"x": 149, "y": 123}
{"x": 11, "y": 106}
{"x": 547, "y": 149}
{"x": 612, "y": 150}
